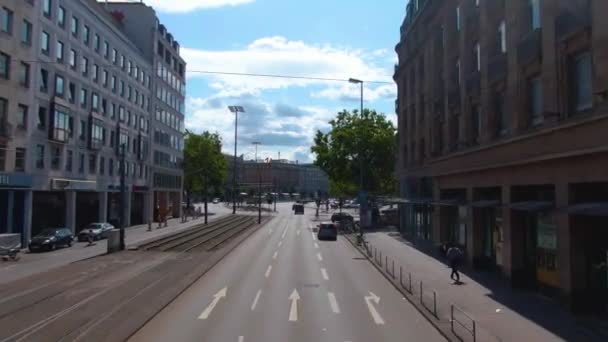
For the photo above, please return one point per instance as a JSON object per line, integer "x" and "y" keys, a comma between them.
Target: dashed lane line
{"x": 267, "y": 274}
{"x": 255, "y": 300}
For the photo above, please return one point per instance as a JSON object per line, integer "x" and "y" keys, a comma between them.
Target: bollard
{"x": 411, "y": 292}
{"x": 166, "y": 223}
{"x": 149, "y": 225}
{"x": 380, "y": 259}
{"x": 386, "y": 263}
{"x": 421, "y": 301}
{"x": 435, "y": 304}
{"x": 393, "y": 269}
{"x": 375, "y": 253}
{"x": 401, "y": 275}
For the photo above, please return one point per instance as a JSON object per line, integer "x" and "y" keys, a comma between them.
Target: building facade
{"x": 502, "y": 110}
{"x": 75, "y": 101}
{"x": 168, "y": 86}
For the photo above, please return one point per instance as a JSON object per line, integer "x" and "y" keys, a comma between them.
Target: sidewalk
{"x": 501, "y": 313}
{"x": 32, "y": 263}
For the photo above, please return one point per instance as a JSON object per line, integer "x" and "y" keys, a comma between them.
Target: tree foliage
{"x": 203, "y": 160}
{"x": 358, "y": 143}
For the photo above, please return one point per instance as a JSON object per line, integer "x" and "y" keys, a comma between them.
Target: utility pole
{"x": 206, "y": 190}
{"x": 122, "y": 197}
{"x": 256, "y": 143}
{"x": 235, "y": 110}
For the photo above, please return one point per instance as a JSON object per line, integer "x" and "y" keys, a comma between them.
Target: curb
{"x": 446, "y": 333}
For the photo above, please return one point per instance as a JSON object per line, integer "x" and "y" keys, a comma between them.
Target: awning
{"x": 455, "y": 202}
{"x": 589, "y": 209}
{"x": 486, "y": 204}
{"x": 531, "y": 205}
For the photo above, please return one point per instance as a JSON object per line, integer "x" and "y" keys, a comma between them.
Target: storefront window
{"x": 546, "y": 250}
{"x": 462, "y": 229}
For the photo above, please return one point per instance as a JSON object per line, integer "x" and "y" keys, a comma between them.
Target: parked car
{"x": 328, "y": 231}
{"x": 339, "y": 217}
{"x": 96, "y": 230}
{"x": 298, "y": 209}
{"x": 216, "y": 200}
{"x": 51, "y": 238}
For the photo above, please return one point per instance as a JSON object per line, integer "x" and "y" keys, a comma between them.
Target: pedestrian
{"x": 454, "y": 255}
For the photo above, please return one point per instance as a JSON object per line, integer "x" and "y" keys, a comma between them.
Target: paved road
{"x": 281, "y": 284}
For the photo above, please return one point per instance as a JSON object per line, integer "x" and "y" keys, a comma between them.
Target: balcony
{"x": 571, "y": 22}
{"x": 530, "y": 48}
{"x": 497, "y": 68}
{"x": 473, "y": 83}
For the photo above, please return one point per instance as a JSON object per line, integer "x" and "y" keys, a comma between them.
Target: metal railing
{"x": 471, "y": 329}
{"x": 432, "y": 310}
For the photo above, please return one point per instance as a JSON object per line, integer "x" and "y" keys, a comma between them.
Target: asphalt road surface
{"x": 282, "y": 284}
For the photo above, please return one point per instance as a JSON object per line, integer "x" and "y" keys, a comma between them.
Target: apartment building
{"x": 76, "y": 98}
{"x": 168, "y": 85}
{"x": 502, "y": 113}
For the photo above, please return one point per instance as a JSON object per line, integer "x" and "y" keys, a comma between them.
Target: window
{"x": 59, "y": 51}
{"x": 95, "y": 72}
{"x": 475, "y": 124}
{"x": 106, "y": 49}
{"x": 72, "y": 59}
{"x": 104, "y": 106}
{"x": 5, "y": 65}
{"x": 71, "y": 92}
{"x": 68, "y": 160}
{"x": 85, "y": 34}
{"x": 114, "y": 56}
{"x": 40, "y": 156}
{"x": 61, "y": 16}
{"x": 61, "y": 125}
{"x": 535, "y": 100}
{"x": 83, "y": 97}
{"x": 20, "y": 159}
{"x": 111, "y": 167}
{"x": 26, "y": 32}
{"x": 122, "y": 62}
{"x": 24, "y": 74}
{"x": 582, "y": 82}
{"x": 96, "y": 42}
{"x": 534, "y": 13}
{"x": 59, "y": 85}
{"x": 113, "y": 111}
{"x": 6, "y": 20}
{"x": 112, "y": 138}
{"x": 502, "y": 36}
{"x": 55, "y": 157}
{"x": 122, "y": 88}
{"x": 477, "y": 57}
{"x": 44, "y": 80}
{"x": 457, "y": 71}
{"x": 41, "y": 120}
{"x": 159, "y": 49}
{"x": 44, "y": 43}
{"x": 104, "y": 78}
{"x": 81, "y": 163}
{"x": 502, "y": 116}
{"x": 121, "y": 114}
{"x": 74, "y": 27}
{"x": 46, "y": 8}
{"x": 113, "y": 84}
{"x": 85, "y": 66}
{"x": 83, "y": 130}
{"x": 95, "y": 102}
{"x": 22, "y": 116}
{"x": 96, "y": 135}
{"x": 129, "y": 93}
{"x": 102, "y": 165}
{"x": 92, "y": 163}
{"x": 458, "y": 18}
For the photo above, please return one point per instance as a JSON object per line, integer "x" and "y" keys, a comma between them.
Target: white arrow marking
{"x": 241, "y": 338}
{"x": 293, "y": 311}
{"x": 333, "y": 302}
{"x": 255, "y": 300}
{"x": 319, "y": 257}
{"x": 274, "y": 256}
{"x": 267, "y": 274}
{"x": 221, "y": 294}
{"x": 372, "y": 310}
{"x": 324, "y": 273}
{"x": 316, "y": 245}
{"x": 314, "y": 237}
{"x": 280, "y": 243}
{"x": 298, "y": 232}
{"x": 284, "y": 232}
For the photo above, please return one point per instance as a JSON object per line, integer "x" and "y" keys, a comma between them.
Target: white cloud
{"x": 352, "y": 92}
{"x": 280, "y": 56}
{"x": 190, "y": 5}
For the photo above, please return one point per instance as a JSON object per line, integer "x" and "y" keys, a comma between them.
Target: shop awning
{"x": 531, "y": 205}
{"x": 486, "y": 204}
{"x": 589, "y": 209}
{"x": 455, "y": 202}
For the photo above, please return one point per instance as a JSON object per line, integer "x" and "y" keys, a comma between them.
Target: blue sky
{"x": 318, "y": 38}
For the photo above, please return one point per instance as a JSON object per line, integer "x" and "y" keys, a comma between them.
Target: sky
{"x": 336, "y": 39}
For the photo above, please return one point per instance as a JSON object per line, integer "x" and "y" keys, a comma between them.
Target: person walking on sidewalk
{"x": 454, "y": 255}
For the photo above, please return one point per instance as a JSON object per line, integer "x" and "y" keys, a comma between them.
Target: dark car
{"x": 339, "y": 217}
{"x": 298, "y": 209}
{"x": 51, "y": 238}
{"x": 96, "y": 231}
{"x": 327, "y": 231}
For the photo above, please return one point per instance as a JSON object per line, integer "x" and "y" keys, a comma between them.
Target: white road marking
{"x": 324, "y": 273}
{"x": 293, "y": 311}
{"x": 314, "y": 237}
{"x": 269, "y": 231}
{"x": 274, "y": 256}
{"x": 267, "y": 274}
{"x": 316, "y": 245}
{"x": 319, "y": 256}
{"x": 372, "y": 310}
{"x": 284, "y": 232}
{"x": 333, "y": 302}
{"x": 298, "y": 232}
{"x": 255, "y": 300}
{"x": 221, "y": 294}
{"x": 280, "y": 243}
{"x": 241, "y": 338}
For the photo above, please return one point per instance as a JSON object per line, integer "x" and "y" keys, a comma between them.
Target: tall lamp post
{"x": 122, "y": 195}
{"x": 363, "y": 204}
{"x": 256, "y": 143}
{"x": 235, "y": 110}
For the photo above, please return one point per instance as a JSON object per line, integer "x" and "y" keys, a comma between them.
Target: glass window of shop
{"x": 546, "y": 250}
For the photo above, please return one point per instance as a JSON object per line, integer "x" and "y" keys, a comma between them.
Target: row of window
{"x": 169, "y": 59}
{"x": 171, "y": 120}
{"x": 167, "y": 181}
{"x": 23, "y": 71}
{"x": 166, "y": 75}
{"x": 7, "y": 23}
{"x": 170, "y": 99}
{"x": 168, "y": 140}
{"x": 167, "y": 160}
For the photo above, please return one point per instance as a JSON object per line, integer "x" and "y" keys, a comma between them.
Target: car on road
{"x": 51, "y": 238}
{"x": 97, "y": 230}
{"x": 298, "y": 209}
{"x": 339, "y": 217}
{"x": 328, "y": 231}
{"x": 216, "y": 200}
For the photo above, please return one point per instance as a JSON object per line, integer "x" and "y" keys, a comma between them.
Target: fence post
{"x": 452, "y": 317}
{"x": 421, "y": 301}
{"x": 411, "y": 292}
{"x": 435, "y": 304}
{"x": 386, "y": 264}
{"x": 375, "y": 253}
{"x": 401, "y": 275}
{"x": 474, "y": 331}
{"x": 393, "y": 269}
{"x": 380, "y": 259}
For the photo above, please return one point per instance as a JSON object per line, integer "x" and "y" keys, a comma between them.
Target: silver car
{"x": 96, "y": 231}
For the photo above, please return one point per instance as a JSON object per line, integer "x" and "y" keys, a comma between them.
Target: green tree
{"x": 357, "y": 143}
{"x": 204, "y": 165}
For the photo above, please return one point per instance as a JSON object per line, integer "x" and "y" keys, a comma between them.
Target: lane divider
{"x": 267, "y": 274}
{"x": 319, "y": 256}
{"x": 324, "y": 273}
{"x": 255, "y": 300}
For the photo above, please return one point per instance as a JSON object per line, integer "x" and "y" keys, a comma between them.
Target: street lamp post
{"x": 122, "y": 196}
{"x": 363, "y": 204}
{"x": 235, "y": 110}
{"x": 256, "y": 143}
